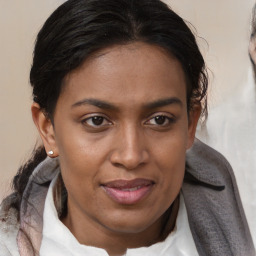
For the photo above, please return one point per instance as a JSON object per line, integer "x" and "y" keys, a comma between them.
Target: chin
{"x": 132, "y": 223}
{"x": 127, "y": 228}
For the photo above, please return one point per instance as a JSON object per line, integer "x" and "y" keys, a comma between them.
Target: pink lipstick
{"x": 128, "y": 191}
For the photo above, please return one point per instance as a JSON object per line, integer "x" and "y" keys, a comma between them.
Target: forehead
{"x": 133, "y": 72}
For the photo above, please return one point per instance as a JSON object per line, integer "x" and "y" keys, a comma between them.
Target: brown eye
{"x": 96, "y": 121}
{"x": 160, "y": 120}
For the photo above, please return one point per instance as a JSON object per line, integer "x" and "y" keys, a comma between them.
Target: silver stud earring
{"x": 50, "y": 153}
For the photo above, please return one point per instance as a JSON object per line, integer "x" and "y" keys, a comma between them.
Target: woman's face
{"x": 121, "y": 131}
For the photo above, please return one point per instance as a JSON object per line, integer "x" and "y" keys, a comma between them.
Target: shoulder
{"x": 208, "y": 165}
{"x": 9, "y": 227}
{"x": 208, "y": 171}
{"x": 214, "y": 207}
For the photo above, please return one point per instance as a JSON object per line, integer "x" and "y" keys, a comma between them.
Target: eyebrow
{"x": 164, "y": 102}
{"x": 97, "y": 103}
{"x": 151, "y": 105}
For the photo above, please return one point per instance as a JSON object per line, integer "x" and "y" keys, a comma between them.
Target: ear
{"x": 252, "y": 49}
{"x": 45, "y": 129}
{"x": 194, "y": 115}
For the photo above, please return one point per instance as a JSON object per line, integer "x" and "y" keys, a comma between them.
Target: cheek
{"x": 77, "y": 159}
{"x": 82, "y": 159}
{"x": 173, "y": 173}
{"x": 171, "y": 157}
{"x": 79, "y": 171}
{"x": 78, "y": 149}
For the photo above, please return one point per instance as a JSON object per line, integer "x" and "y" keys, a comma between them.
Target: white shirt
{"x": 59, "y": 241}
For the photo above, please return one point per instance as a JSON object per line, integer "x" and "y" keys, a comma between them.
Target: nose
{"x": 130, "y": 149}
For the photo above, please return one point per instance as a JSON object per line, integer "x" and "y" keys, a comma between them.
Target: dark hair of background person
{"x": 253, "y": 24}
{"x": 79, "y": 28}
{"x": 252, "y": 51}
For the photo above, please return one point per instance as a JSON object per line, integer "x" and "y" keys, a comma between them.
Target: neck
{"x": 116, "y": 243}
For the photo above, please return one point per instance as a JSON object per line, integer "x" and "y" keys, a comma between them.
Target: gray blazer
{"x": 214, "y": 208}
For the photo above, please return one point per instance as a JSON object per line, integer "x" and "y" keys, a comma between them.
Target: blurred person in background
{"x": 231, "y": 126}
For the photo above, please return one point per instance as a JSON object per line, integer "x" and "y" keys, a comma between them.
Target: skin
{"x": 139, "y": 85}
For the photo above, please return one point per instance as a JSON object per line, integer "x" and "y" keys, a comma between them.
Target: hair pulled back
{"x": 79, "y": 28}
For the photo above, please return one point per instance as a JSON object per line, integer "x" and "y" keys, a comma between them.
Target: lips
{"x": 128, "y": 191}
